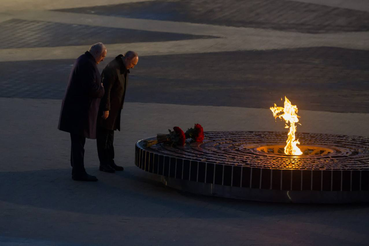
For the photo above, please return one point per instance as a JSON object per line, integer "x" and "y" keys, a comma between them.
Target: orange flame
{"x": 289, "y": 114}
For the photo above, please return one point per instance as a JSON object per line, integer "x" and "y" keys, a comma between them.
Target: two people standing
{"x": 92, "y": 105}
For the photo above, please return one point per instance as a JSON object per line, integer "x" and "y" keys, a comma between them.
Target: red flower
{"x": 196, "y": 133}
{"x": 199, "y": 133}
{"x": 180, "y": 137}
{"x": 177, "y": 137}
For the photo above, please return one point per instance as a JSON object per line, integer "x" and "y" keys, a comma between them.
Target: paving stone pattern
{"x": 29, "y": 34}
{"x": 325, "y": 79}
{"x": 46, "y": 79}
{"x": 268, "y": 14}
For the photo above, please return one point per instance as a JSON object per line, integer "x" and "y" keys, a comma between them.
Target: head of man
{"x": 98, "y": 51}
{"x": 130, "y": 59}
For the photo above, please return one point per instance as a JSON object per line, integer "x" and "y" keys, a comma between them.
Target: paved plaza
{"x": 220, "y": 63}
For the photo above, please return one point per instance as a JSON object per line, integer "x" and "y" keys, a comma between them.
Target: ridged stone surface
{"x": 231, "y": 159}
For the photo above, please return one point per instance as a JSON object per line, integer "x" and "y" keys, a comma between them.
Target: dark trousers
{"x": 105, "y": 147}
{"x": 77, "y": 153}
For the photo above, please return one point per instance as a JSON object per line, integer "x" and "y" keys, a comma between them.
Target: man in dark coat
{"x": 115, "y": 79}
{"x": 80, "y": 106}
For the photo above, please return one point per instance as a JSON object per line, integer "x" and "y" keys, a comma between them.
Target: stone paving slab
{"x": 17, "y": 5}
{"x": 29, "y": 34}
{"x": 268, "y": 14}
{"x": 20, "y": 5}
{"x": 233, "y": 39}
{"x": 321, "y": 79}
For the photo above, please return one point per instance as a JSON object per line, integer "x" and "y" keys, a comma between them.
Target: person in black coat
{"x": 115, "y": 79}
{"x": 80, "y": 106}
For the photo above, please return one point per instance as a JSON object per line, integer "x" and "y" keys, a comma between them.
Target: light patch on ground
{"x": 19, "y": 5}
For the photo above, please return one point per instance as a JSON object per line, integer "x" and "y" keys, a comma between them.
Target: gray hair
{"x": 130, "y": 54}
{"x": 97, "y": 49}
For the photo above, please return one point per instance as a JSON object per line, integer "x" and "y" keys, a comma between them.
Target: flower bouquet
{"x": 175, "y": 138}
{"x": 196, "y": 134}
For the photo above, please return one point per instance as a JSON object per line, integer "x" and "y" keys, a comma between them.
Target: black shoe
{"x": 116, "y": 167}
{"x": 83, "y": 177}
{"x": 106, "y": 168}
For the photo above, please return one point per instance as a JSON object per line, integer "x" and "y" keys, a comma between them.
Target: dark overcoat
{"x": 82, "y": 99}
{"x": 115, "y": 79}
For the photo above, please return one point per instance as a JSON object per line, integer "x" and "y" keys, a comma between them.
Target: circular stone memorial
{"x": 252, "y": 166}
